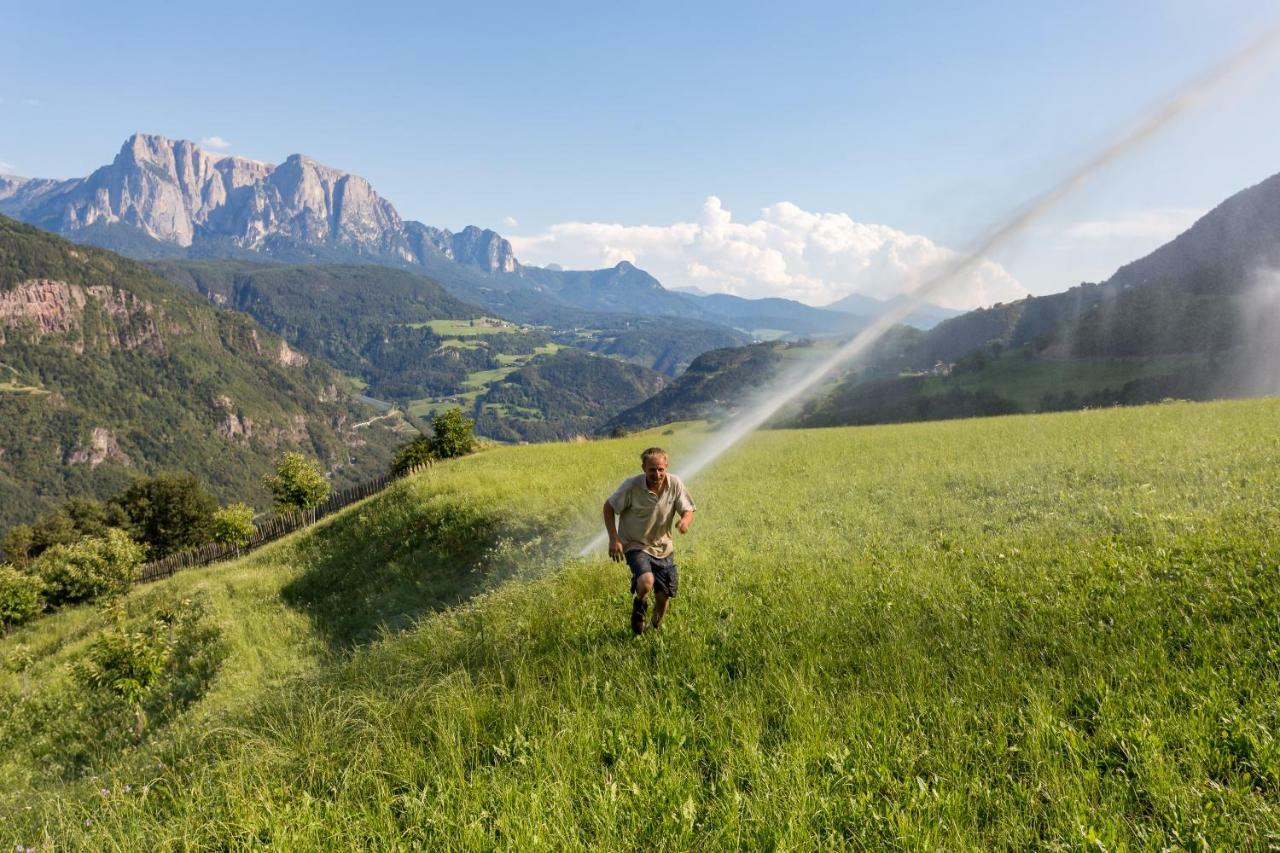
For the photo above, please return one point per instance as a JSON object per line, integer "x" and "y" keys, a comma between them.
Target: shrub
{"x": 417, "y": 452}
{"x": 298, "y": 483}
{"x": 86, "y": 569}
{"x": 453, "y": 434}
{"x": 168, "y": 512}
{"x": 233, "y": 525}
{"x": 19, "y": 597}
{"x": 128, "y": 664}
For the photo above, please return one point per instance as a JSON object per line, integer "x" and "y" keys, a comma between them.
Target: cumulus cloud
{"x": 510, "y": 221}
{"x": 1158, "y": 223}
{"x": 214, "y": 142}
{"x": 7, "y": 168}
{"x": 814, "y": 258}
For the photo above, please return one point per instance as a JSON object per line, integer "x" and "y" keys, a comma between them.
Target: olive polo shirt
{"x": 644, "y": 519}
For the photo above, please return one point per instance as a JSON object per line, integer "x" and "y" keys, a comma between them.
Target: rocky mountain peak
{"x": 175, "y": 192}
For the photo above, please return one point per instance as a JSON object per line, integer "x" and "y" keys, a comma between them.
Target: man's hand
{"x": 615, "y": 550}
{"x": 683, "y": 524}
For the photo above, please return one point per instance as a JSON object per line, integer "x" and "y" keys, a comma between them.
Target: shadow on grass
{"x": 382, "y": 566}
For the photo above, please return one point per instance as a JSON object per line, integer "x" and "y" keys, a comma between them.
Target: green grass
{"x": 13, "y": 386}
{"x": 473, "y": 342}
{"x": 466, "y": 328}
{"x": 1024, "y": 381}
{"x": 1051, "y": 632}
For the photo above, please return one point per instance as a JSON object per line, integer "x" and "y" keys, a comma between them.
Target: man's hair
{"x": 651, "y": 453}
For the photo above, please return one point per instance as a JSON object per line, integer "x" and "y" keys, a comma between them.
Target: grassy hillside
{"x": 1052, "y": 631}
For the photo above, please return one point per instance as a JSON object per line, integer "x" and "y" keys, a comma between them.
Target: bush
{"x": 233, "y": 525}
{"x": 169, "y": 512}
{"x": 298, "y": 483}
{"x": 453, "y": 434}
{"x": 417, "y": 452}
{"x": 91, "y": 567}
{"x": 128, "y": 664}
{"x": 19, "y": 597}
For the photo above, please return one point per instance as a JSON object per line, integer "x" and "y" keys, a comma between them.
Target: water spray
{"x": 800, "y": 382}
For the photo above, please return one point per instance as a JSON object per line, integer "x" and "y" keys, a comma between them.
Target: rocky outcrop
{"x": 52, "y": 307}
{"x": 101, "y": 446}
{"x": 290, "y": 357}
{"x": 472, "y": 246}
{"x": 57, "y": 308}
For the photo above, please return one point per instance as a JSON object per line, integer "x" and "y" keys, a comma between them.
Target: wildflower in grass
{"x": 638, "y": 517}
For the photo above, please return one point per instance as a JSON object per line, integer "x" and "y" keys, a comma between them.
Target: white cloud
{"x": 7, "y": 168}
{"x": 215, "y": 142}
{"x": 510, "y": 222}
{"x": 1158, "y": 223}
{"x": 815, "y": 258}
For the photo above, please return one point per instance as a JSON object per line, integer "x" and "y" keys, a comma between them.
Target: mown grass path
{"x": 1047, "y": 632}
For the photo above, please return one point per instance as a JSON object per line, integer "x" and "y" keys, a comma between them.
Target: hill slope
{"x": 107, "y": 370}
{"x": 1062, "y": 634}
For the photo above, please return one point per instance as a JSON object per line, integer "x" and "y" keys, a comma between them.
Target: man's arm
{"x": 685, "y": 520}
{"x": 610, "y": 525}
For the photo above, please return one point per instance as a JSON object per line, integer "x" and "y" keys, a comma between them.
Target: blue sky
{"x": 932, "y": 119}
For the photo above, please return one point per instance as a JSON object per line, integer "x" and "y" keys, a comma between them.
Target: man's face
{"x": 655, "y": 471}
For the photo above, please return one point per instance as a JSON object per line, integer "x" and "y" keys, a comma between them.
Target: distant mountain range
{"x": 162, "y": 198}
{"x": 1197, "y": 318}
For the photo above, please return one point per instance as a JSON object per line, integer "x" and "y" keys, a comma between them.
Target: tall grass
{"x": 1053, "y": 631}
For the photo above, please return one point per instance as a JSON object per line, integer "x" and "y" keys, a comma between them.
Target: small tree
{"x": 233, "y": 525}
{"x": 453, "y": 435}
{"x": 417, "y": 452}
{"x": 91, "y": 567}
{"x": 17, "y": 544}
{"x": 168, "y": 512}
{"x": 19, "y": 597}
{"x": 298, "y": 483}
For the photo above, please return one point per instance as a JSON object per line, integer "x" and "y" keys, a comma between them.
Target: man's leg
{"x": 643, "y": 583}
{"x": 660, "y": 600}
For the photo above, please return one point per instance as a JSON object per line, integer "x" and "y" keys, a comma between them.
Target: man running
{"x": 638, "y": 517}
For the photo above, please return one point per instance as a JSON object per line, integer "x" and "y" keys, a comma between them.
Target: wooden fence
{"x": 268, "y": 529}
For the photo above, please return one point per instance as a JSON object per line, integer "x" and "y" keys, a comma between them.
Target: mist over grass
{"x": 1049, "y": 631}
{"x": 1260, "y": 333}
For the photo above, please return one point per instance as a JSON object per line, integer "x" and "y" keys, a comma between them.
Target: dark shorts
{"x": 665, "y": 579}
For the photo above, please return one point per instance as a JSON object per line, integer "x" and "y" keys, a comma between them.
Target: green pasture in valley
{"x": 1037, "y": 632}
{"x": 1025, "y": 380}
{"x": 468, "y": 328}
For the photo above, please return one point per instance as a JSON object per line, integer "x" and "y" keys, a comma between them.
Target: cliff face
{"x": 58, "y": 308}
{"x": 176, "y": 193}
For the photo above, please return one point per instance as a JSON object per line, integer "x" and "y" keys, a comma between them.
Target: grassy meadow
{"x": 1054, "y": 632}
{"x": 1025, "y": 380}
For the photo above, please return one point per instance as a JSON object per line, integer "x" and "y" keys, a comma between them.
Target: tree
{"x": 452, "y": 434}
{"x": 298, "y": 483}
{"x": 168, "y": 512}
{"x": 233, "y": 525}
{"x": 17, "y": 544}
